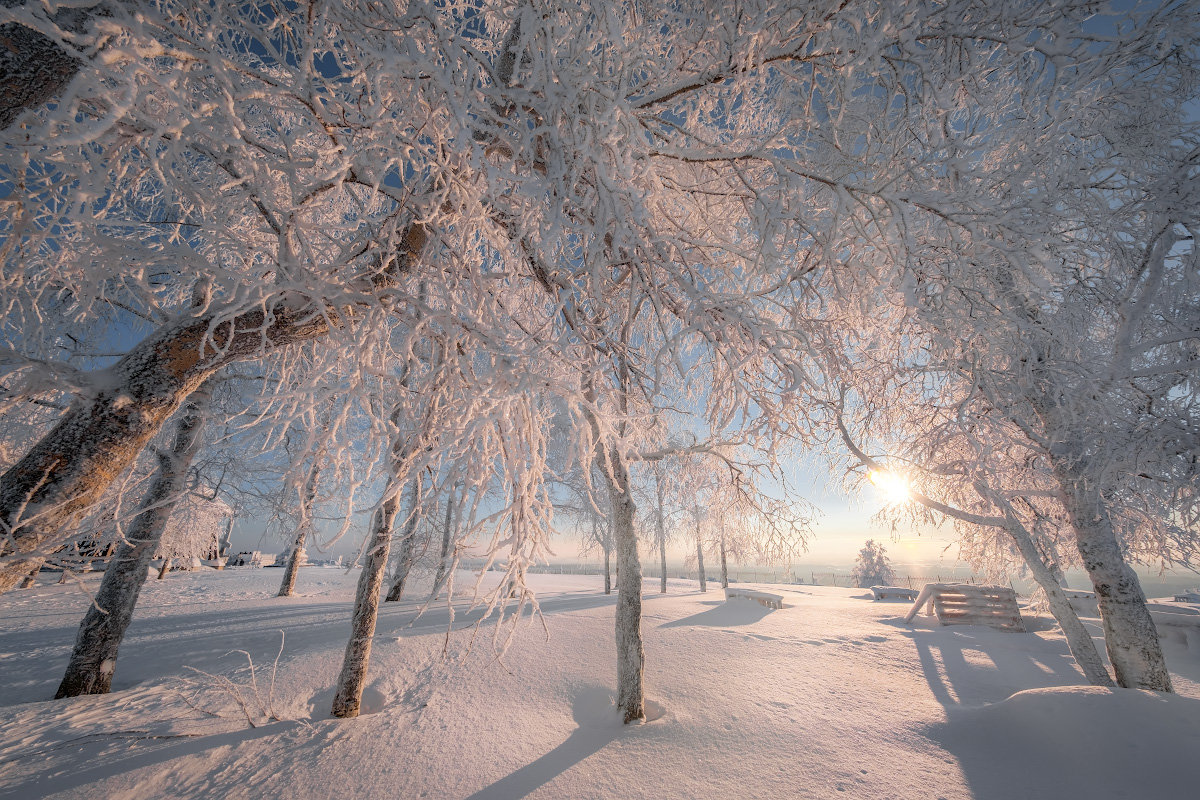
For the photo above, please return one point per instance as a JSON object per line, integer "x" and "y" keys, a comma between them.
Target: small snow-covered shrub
{"x": 872, "y": 567}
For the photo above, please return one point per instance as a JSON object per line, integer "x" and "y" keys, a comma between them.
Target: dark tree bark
{"x": 30, "y": 580}
{"x": 93, "y": 661}
{"x": 33, "y": 67}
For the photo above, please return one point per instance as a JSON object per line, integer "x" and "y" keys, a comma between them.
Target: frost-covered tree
{"x": 94, "y": 656}
{"x": 872, "y": 566}
{"x": 623, "y": 190}
{"x": 1021, "y": 523}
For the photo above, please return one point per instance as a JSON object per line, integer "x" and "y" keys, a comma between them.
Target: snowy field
{"x": 830, "y": 697}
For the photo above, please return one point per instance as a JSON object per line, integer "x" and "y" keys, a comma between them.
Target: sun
{"x": 894, "y": 486}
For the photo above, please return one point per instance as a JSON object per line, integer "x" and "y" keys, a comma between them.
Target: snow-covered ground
{"x": 830, "y": 697}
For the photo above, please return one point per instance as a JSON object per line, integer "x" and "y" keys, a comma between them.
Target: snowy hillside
{"x": 832, "y": 696}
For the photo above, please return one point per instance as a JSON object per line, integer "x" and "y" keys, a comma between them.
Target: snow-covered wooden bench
{"x": 762, "y": 598}
{"x": 964, "y": 604}
{"x": 893, "y": 592}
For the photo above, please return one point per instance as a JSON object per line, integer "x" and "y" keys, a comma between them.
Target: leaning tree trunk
{"x": 631, "y": 656}
{"x": 353, "y": 677}
{"x": 439, "y": 579}
{"x": 700, "y": 561}
{"x": 297, "y": 557}
{"x": 1079, "y": 641}
{"x": 404, "y": 563}
{"x": 1129, "y": 633}
{"x": 94, "y": 659}
{"x": 67, "y": 471}
{"x": 35, "y": 67}
{"x": 30, "y": 580}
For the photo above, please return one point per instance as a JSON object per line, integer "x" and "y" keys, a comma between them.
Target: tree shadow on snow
{"x": 598, "y": 725}
{"x": 728, "y": 614}
{"x": 137, "y": 758}
{"x": 971, "y": 665}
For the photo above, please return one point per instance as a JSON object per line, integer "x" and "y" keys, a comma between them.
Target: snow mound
{"x": 1078, "y": 742}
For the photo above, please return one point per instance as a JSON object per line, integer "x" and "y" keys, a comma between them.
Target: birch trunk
{"x": 1129, "y": 633}
{"x": 661, "y": 533}
{"x": 1079, "y": 641}
{"x": 607, "y": 570}
{"x": 67, "y": 471}
{"x": 448, "y": 527}
{"x": 404, "y": 563}
{"x": 93, "y": 661}
{"x": 724, "y": 563}
{"x": 353, "y": 677}
{"x": 700, "y": 562}
{"x": 288, "y": 585}
{"x": 631, "y": 656}
{"x": 662, "y": 563}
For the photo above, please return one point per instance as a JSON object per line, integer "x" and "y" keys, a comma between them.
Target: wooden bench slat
{"x": 965, "y": 604}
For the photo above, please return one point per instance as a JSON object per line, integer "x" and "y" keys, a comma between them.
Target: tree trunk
{"x": 93, "y": 661}
{"x": 662, "y": 563}
{"x": 1079, "y": 641}
{"x": 448, "y": 527}
{"x": 297, "y": 557}
{"x": 404, "y": 563}
{"x": 724, "y": 563}
{"x": 607, "y": 570}
{"x": 1129, "y": 633}
{"x": 67, "y": 471}
{"x": 661, "y": 533}
{"x": 34, "y": 68}
{"x": 30, "y": 580}
{"x": 403, "y": 568}
{"x": 631, "y": 657}
{"x": 353, "y": 677}
{"x": 288, "y": 585}
{"x": 700, "y": 561}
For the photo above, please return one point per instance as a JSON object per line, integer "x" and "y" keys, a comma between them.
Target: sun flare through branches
{"x": 892, "y": 486}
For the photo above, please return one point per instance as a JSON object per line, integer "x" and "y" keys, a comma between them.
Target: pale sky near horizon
{"x": 844, "y": 524}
